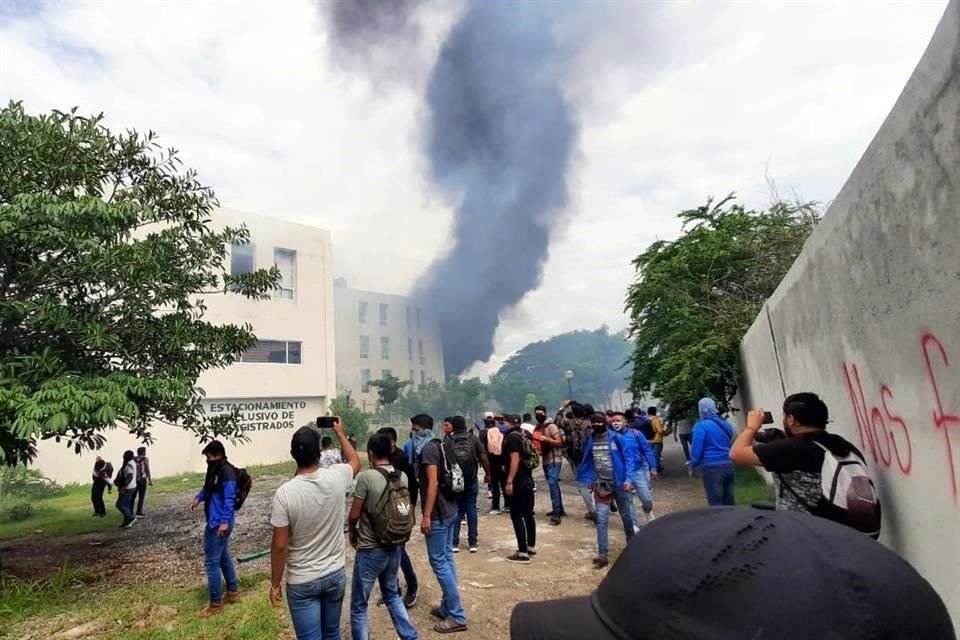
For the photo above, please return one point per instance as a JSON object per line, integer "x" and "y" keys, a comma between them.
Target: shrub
{"x": 16, "y": 512}
{"x": 22, "y": 483}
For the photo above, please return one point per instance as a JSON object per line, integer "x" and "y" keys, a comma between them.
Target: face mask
{"x": 618, "y": 426}
{"x": 541, "y": 418}
{"x": 599, "y": 428}
{"x": 488, "y": 422}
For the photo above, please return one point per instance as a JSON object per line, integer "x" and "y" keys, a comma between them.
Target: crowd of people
{"x": 820, "y": 477}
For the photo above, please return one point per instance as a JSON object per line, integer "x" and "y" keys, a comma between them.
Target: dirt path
{"x": 165, "y": 546}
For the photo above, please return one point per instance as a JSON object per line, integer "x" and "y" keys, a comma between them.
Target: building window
{"x": 274, "y": 351}
{"x": 418, "y": 318}
{"x": 410, "y": 348}
{"x": 423, "y": 360}
{"x": 408, "y": 316}
{"x": 384, "y": 348}
{"x": 423, "y": 377}
{"x": 386, "y": 373}
{"x": 242, "y": 258}
{"x": 362, "y": 312}
{"x": 286, "y": 261}
{"x": 365, "y": 380}
{"x": 383, "y": 314}
{"x": 364, "y": 347}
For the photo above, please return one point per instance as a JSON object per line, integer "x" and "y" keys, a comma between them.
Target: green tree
{"x": 596, "y": 358}
{"x": 695, "y": 297}
{"x": 354, "y": 420}
{"x": 457, "y": 396}
{"x": 106, "y": 254}
{"x": 389, "y": 388}
{"x": 530, "y": 403}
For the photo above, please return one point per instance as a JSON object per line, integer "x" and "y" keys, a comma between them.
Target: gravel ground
{"x": 165, "y": 546}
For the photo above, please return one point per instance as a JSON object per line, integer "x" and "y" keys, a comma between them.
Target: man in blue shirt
{"x": 644, "y": 466}
{"x": 218, "y": 496}
{"x": 607, "y": 468}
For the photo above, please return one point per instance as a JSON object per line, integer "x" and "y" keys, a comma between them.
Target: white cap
{"x": 488, "y": 414}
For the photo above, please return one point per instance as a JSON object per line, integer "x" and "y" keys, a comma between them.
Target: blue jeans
{"x": 552, "y": 473}
{"x": 658, "y": 453}
{"x": 586, "y": 492}
{"x": 439, "y": 551}
{"x": 372, "y": 566}
{"x": 603, "y": 519}
{"x": 216, "y": 560}
{"x": 718, "y": 484}
{"x": 641, "y": 488}
{"x": 315, "y": 606}
{"x": 125, "y": 499}
{"x": 467, "y": 507}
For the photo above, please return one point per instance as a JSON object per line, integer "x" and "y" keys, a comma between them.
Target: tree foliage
{"x": 389, "y": 388}
{"x": 695, "y": 297}
{"x": 106, "y": 254}
{"x": 595, "y": 357}
{"x": 457, "y": 396}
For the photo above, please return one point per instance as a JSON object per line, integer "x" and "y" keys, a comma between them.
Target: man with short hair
{"x": 307, "y": 519}
{"x": 607, "y": 469}
{"x": 520, "y": 489}
{"x": 471, "y": 456}
{"x": 375, "y": 561}
{"x": 329, "y": 455}
{"x": 644, "y": 465}
{"x": 551, "y": 452}
{"x": 438, "y": 521}
{"x": 143, "y": 478}
{"x": 218, "y": 495}
{"x": 492, "y": 440}
{"x": 796, "y": 459}
{"x": 402, "y": 463}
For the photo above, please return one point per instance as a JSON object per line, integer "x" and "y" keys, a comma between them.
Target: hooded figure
{"x": 712, "y": 438}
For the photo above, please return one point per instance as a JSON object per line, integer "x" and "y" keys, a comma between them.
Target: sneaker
{"x": 555, "y": 521}
{"x": 410, "y": 598}
{"x": 474, "y": 548}
{"x": 505, "y": 510}
{"x": 600, "y": 562}
{"x": 455, "y": 549}
{"x": 380, "y": 602}
{"x": 651, "y": 517}
{"x": 531, "y": 551}
{"x": 138, "y": 516}
{"x": 211, "y": 609}
{"x": 562, "y": 514}
{"x": 636, "y": 529}
{"x": 449, "y": 626}
{"x": 127, "y": 525}
{"x": 520, "y": 558}
{"x": 494, "y": 512}
{"x": 233, "y": 597}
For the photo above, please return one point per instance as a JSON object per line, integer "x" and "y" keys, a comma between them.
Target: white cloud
{"x": 677, "y": 102}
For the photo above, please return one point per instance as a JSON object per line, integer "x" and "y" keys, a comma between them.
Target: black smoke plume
{"x": 499, "y": 140}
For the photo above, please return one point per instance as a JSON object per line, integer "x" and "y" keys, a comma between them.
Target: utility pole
{"x": 569, "y": 376}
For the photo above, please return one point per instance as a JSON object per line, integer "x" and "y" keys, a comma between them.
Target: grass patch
{"x": 139, "y": 611}
{"x": 70, "y": 512}
{"x": 752, "y": 487}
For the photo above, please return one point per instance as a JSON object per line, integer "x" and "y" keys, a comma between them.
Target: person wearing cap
{"x": 712, "y": 437}
{"x": 607, "y": 469}
{"x": 308, "y": 520}
{"x": 735, "y": 573}
{"x": 218, "y": 496}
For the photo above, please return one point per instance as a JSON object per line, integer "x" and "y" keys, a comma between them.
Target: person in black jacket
{"x": 403, "y": 464}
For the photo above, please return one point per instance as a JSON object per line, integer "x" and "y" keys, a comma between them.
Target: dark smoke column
{"x": 500, "y": 137}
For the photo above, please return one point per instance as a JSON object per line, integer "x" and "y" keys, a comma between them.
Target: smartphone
{"x": 325, "y": 422}
{"x": 767, "y": 417}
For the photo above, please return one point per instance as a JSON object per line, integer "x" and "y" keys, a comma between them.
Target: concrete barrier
{"x": 869, "y": 316}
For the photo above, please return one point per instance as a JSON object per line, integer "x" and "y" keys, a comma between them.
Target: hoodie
{"x": 712, "y": 438}
{"x": 624, "y": 465}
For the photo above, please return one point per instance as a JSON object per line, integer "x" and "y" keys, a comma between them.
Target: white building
{"x": 380, "y": 334}
{"x": 282, "y": 383}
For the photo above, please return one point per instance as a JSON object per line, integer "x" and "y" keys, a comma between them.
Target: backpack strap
{"x": 387, "y": 489}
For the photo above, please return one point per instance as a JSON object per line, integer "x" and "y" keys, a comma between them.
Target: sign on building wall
{"x": 267, "y": 414}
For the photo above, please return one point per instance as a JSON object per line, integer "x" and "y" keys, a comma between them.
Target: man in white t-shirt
{"x": 308, "y": 542}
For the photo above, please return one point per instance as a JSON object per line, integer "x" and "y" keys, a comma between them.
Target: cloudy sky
{"x": 675, "y": 102}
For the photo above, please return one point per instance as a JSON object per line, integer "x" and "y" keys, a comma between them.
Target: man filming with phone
{"x": 815, "y": 471}
{"x": 308, "y": 518}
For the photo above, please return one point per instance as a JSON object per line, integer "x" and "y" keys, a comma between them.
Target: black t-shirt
{"x": 796, "y": 464}
{"x": 513, "y": 443}
{"x": 444, "y": 507}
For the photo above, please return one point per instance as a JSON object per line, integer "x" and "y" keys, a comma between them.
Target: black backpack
{"x": 244, "y": 485}
{"x": 392, "y": 516}
{"x": 464, "y": 450}
{"x": 121, "y": 480}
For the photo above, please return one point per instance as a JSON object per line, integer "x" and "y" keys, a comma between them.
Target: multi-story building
{"x": 279, "y": 385}
{"x": 380, "y": 334}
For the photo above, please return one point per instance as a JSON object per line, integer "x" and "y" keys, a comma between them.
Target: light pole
{"x": 569, "y": 376}
{"x": 347, "y": 391}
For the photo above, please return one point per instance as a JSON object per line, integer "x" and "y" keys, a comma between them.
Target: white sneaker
{"x": 504, "y": 510}
{"x": 636, "y": 529}
{"x": 651, "y": 517}
{"x": 455, "y": 549}
{"x": 494, "y": 512}
{"x": 474, "y": 549}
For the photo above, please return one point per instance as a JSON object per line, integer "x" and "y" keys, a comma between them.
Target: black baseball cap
{"x": 729, "y": 572}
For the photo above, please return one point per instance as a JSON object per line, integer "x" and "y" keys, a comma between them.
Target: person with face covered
{"x": 644, "y": 464}
{"x": 712, "y": 437}
{"x": 551, "y": 453}
{"x": 492, "y": 437}
{"x": 607, "y": 467}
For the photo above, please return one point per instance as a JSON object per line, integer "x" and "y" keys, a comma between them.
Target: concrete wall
{"x": 401, "y": 326}
{"x": 274, "y": 399}
{"x": 869, "y": 317}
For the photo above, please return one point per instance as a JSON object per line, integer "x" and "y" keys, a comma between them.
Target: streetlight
{"x": 569, "y": 376}
{"x": 347, "y": 391}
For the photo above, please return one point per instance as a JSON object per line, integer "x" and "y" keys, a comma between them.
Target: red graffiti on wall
{"x": 883, "y": 433}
